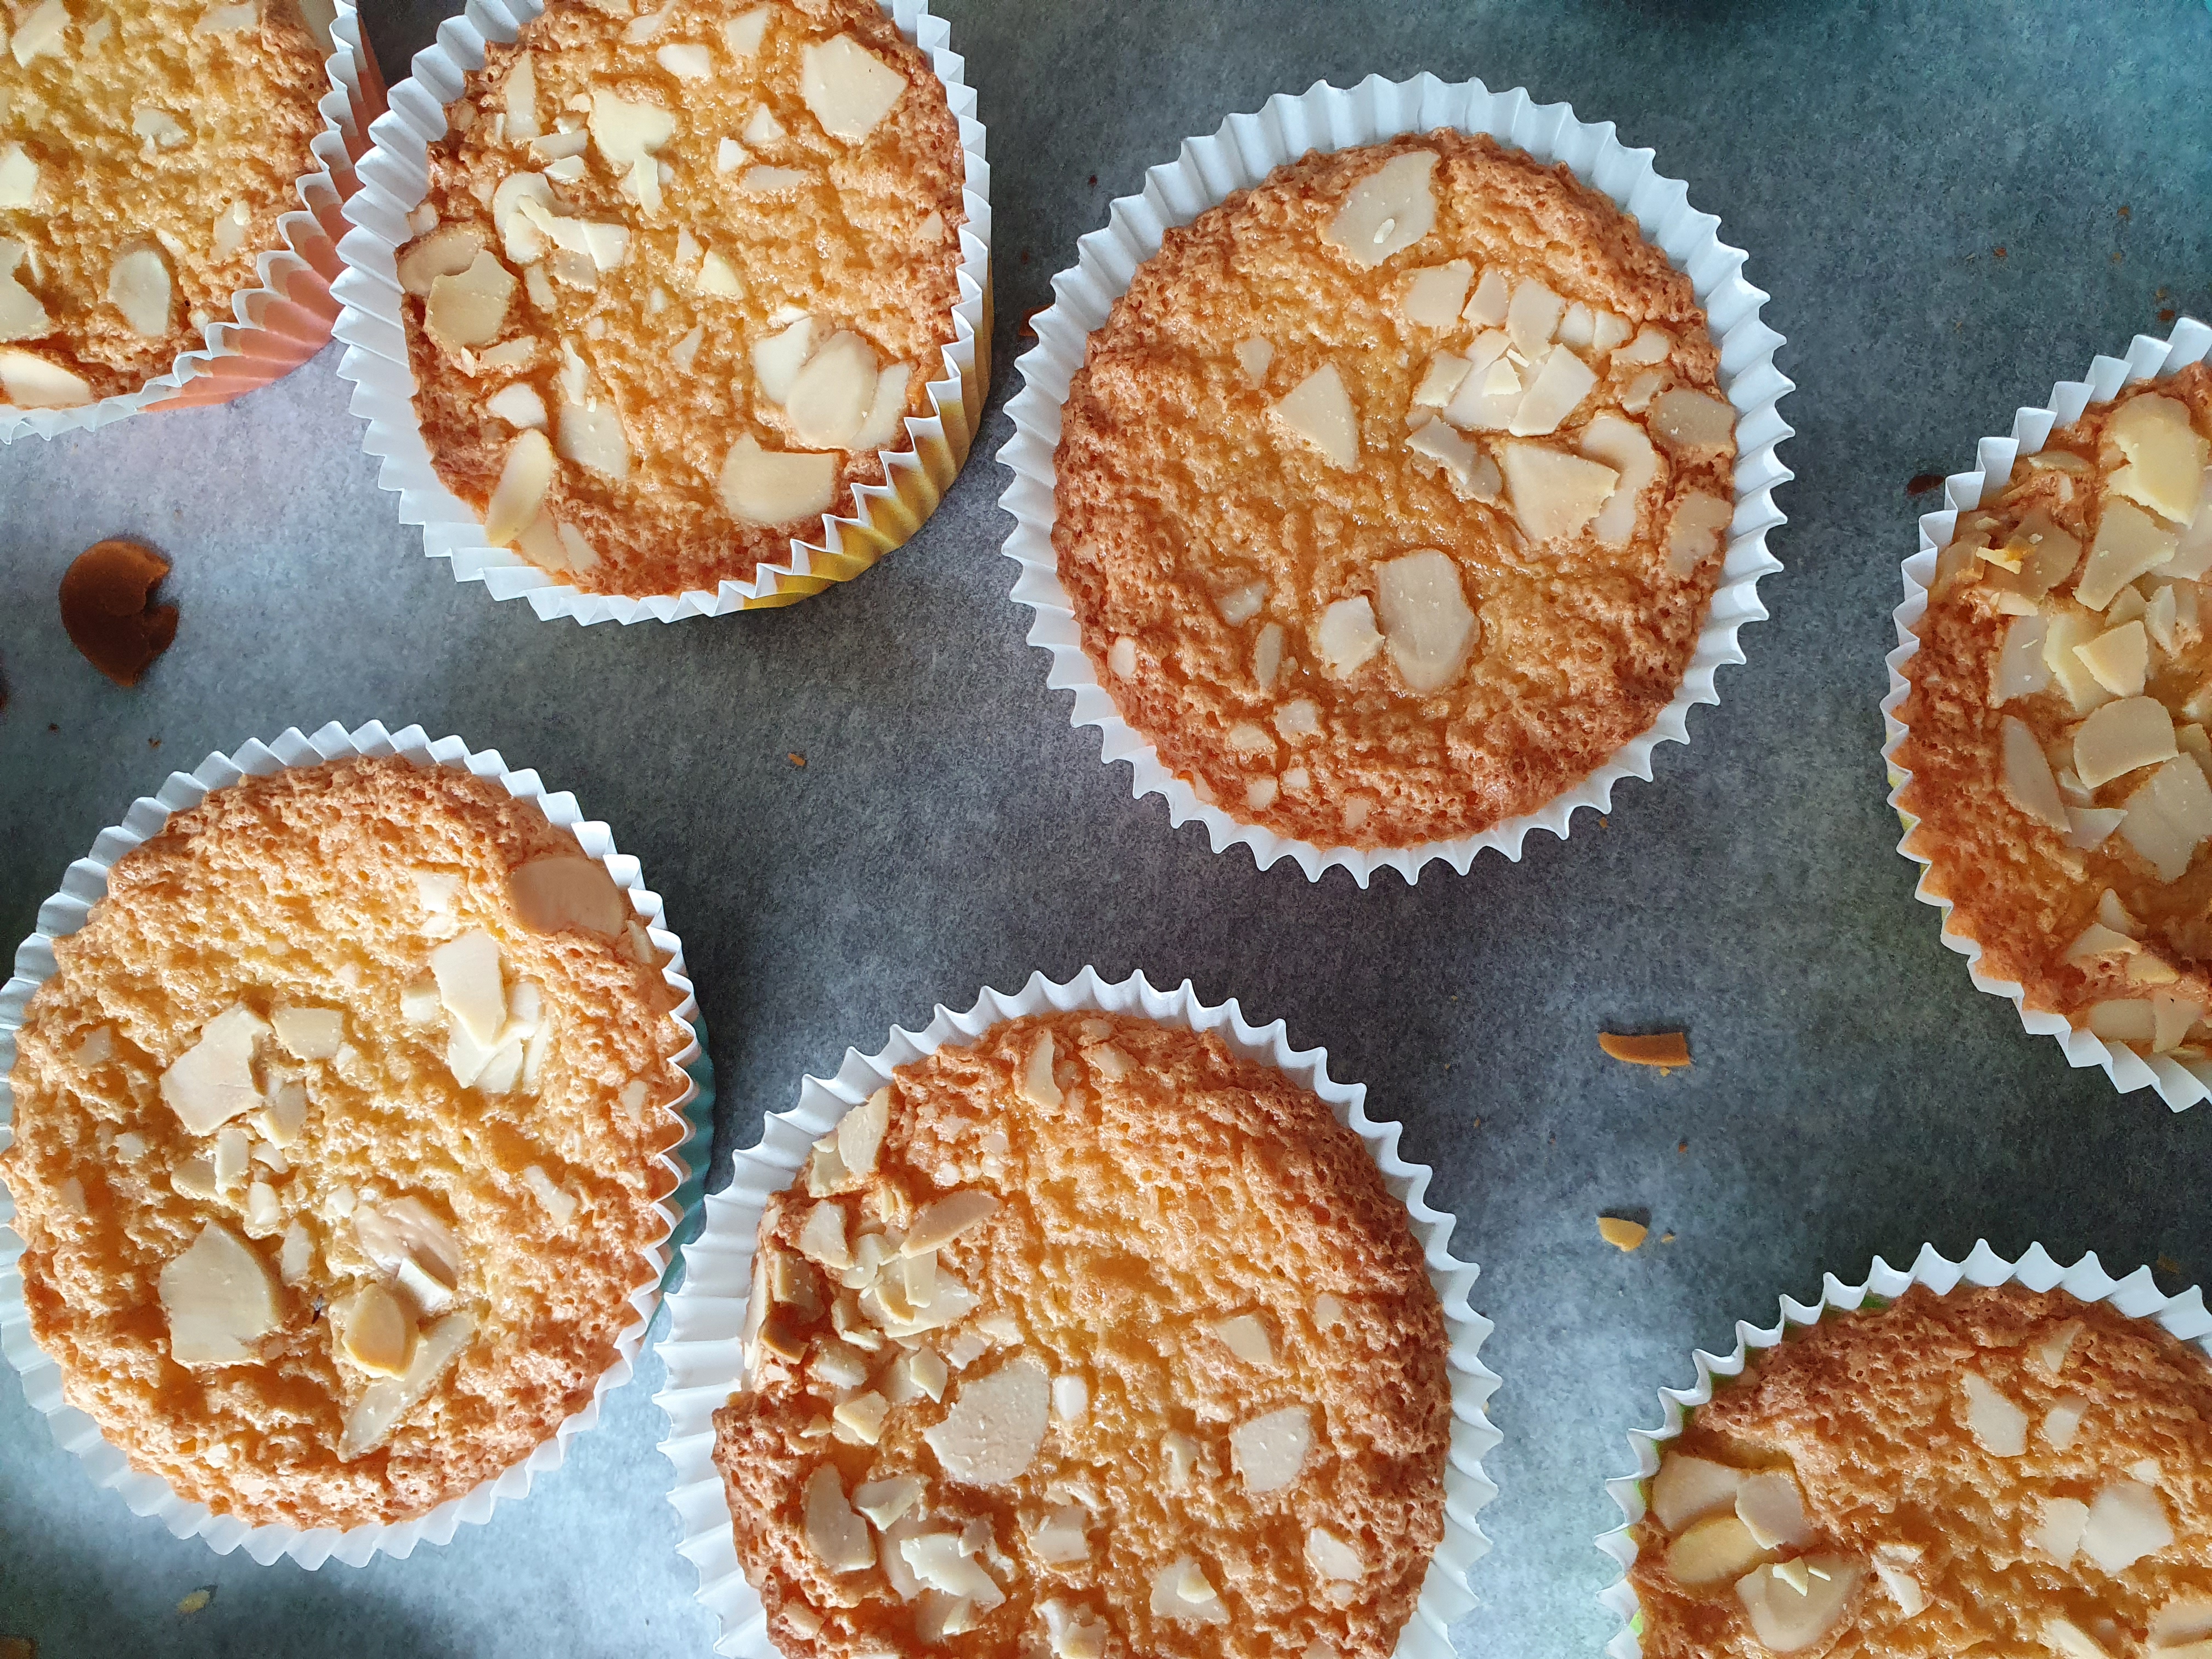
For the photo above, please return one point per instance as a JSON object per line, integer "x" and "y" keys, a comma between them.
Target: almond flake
{"x": 1386, "y": 212}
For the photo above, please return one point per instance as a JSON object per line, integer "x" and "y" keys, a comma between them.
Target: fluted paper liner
{"x": 287, "y": 318}
{"x": 2136, "y": 1296}
{"x": 395, "y": 178}
{"x": 65, "y": 912}
{"x": 1245, "y": 149}
{"x": 704, "y": 1347}
{"x": 2180, "y": 1083}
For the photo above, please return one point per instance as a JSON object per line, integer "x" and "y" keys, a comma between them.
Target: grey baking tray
{"x": 1952, "y": 206}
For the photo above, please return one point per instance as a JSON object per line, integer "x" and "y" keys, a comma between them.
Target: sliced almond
{"x": 2127, "y": 1522}
{"x": 30, "y": 381}
{"x": 1562, "y": 381}
{"x": 2121, "y": 736}
{"x": 778, "y": 359}
{"x": 23, "y": 315}
{"x": 2119, "y": 659}
{"x": 1532, "y": 317}
{"x": 469, "y": 308}
{"x": 445, "y": 251}
{"x": 19, "y": 178}
{"x": 1719, "y": 1547}
{"x": 524, "y": 479}
{"x": 139, "y": 286}
{"x": 830, "y": 396}
{"x": 1685, "y": 418}
{"x": 684, "y": 61}
{"x": 519, "y": 405}
{"x": 1182, "y": 1591}
{"x": 1770, "y": 1506}
{"x": 1424, "y": 618}
{"x": 1347, "y": 637}
{"x": 518, "y": 232}
{"x": 772, "y": 487}
{"x": 2165, "y": 469}
{"x": 373, "y": 1332}
{"x": 1786, "y": 1615}
{"x": 1554, "y": 494}
{"x": 995, "y": 1425}
{"x": 591, "y": 436}
{"x": 41, "y": 33}
{"x": 1686, "y": 1488}
{"x": 2168, "y": 817}
{"x": 1621, "y": 445}
{"x": 1319, "y": 410}
{"x": 2129, "y": 543}
{"x": 556, "y": 892}
{"x": 1247, "y": 1338}
{"x": 212, "y": 1081}
{"x": 743, "y": 34}
{"x": 940, "y": 1222}
{"x": 1995, "y": 1422}
{"x": 1487, "y": 305}
{"x": 1269, "y": 1451}
{"x": 847, "y": 87}
{"x": 219, "y": 1300}
{"x": 1435, "y": 296}
{"x": 1387, "y": 211}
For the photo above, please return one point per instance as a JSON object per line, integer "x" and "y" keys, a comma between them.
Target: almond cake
{"x": 147, "y": 148}
{"x": 1392, "y": 495}
{"x": 1996, "y": 1470}
{"x": 1091, "y": 1338}
{"x": 337, "y": 1144}
{"x": 2056, "y": 721}
{"x": 679, "y": 279}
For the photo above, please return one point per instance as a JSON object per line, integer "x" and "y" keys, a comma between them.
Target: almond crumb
{"x": 1620, "y": 1232}
{"x": 1665, "y": 1049}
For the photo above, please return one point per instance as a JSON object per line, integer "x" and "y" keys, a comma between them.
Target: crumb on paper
{"x": 1620, "y": 1232}
{"x": 2167, "y": 1264}
{"x": 18, "y": 1647}
{"x": 1681, "y": 1145}
{"x": 107, "y": 608}
{"x": 1666, "y": 1238}
{"x": 2125, "y": 211}
{"x": 196, "y": 1601}
{"x": 798, "y": 759}
{"x": 1667, "y": 1050}
{"x": 1921, "y": 483}
{"x": 1998, "y": 250}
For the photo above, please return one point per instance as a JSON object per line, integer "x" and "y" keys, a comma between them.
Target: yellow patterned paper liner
{"x": 394, "y": 178}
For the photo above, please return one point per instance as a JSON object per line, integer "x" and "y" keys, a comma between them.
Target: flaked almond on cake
{"x": 147, "y": 148}
{"x": 2056, "y": 721}
{"x": 1091, "y": 1338}
{"x": 1998, "y": 1471}
{"x": 337, "y": 1142}
{"x": 679, "y": 278}
{"x": 1392, "y": 495}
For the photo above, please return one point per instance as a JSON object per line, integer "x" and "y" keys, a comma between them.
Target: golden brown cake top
{"x": 1392, "y": 494}
{"x": 678, "y": 279}
{"x": 336, "y": 1139}
{"x": 147, "y": 148}
{"x": 2058, "y": 716}
{"x": 1992, "y": 1472}
{"x": 1091, "y": 1340}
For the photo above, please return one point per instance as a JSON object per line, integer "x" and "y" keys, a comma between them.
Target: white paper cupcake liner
{"x": 287, "y": 318}
{"x": 2136, "y": 1296}
{"x": 65, "y": 912}
{"x": 395, "y": 178}
{"x": 2180, "y": 1084}
{"x": 702, "y": 1350}
{"x": 1245, "y": 149}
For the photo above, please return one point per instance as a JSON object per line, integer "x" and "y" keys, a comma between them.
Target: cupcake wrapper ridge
{"x": 2136, "y": 1296}
{"x": 286, "y": 319}
{"x": 1243, "y": 152}
{"x": 395, "y": 178}
{"x": 2179, "y": 1084}
{"x": 702, "y": 1350}
{"x": 65, "y": 912}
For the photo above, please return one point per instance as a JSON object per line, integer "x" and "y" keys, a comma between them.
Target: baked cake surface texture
{"x": 1999, "y": 1472}
{"x": 678, "y": 279}
{"x": 2056, "y": 721}
{"x": 337, "y": 1136}
{"x": 1392, "y": 495}
{"x": 147, "y": 148}
{"x": 1091, "y": 1339}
